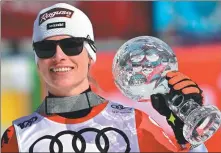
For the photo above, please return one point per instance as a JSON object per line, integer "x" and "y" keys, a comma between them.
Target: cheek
{"x": 82, "y": 65}
{"x": 82, "y": 68}
{"x": 43, "y": 68}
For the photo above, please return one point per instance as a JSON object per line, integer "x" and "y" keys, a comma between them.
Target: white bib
{"x": 112, "y": 130}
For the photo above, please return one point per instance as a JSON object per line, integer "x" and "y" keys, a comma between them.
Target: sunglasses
{"x": 70, "y": 46}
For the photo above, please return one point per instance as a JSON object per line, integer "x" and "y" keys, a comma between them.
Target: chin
{"x": 64, "y": 84}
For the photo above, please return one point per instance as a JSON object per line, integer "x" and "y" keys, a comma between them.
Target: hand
{"x": 179, "y": 84}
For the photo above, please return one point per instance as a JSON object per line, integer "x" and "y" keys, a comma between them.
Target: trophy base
{"x": 201, "y": 124}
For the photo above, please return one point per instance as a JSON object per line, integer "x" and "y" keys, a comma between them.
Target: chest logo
{"x": 78, "y": 136}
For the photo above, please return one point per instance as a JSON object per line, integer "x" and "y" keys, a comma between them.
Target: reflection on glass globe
{"x": 140, "y": 65}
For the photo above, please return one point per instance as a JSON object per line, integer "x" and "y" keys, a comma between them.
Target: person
{"x": 74, "y": 118}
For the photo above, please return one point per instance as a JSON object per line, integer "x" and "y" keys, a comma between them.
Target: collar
{"x": 55, "y": 105}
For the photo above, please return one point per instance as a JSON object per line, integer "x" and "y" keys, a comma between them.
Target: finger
{"x": 190, "y": 90}
{"x": 183, "y": 84}
{"x": 158, "y": 102}
{"x": 171, "y": 74}
{"x": 155, "y": 100}
{"x": 177, "y": 79}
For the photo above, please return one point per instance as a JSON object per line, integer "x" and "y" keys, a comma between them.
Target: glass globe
{"x": 140, "y": 65}
{"x": 139, "y": 70}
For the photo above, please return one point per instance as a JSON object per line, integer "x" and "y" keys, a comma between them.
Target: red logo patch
{"x": 55, "y": 12}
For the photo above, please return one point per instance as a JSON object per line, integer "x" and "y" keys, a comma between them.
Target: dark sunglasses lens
{"x": 71, "y": 47}
{"x": 45, "y": 49}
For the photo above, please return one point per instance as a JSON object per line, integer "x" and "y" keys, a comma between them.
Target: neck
{"x": 74, "y": 114}
{"x": 59, "y": 105}
{"x": 52, "y": 95}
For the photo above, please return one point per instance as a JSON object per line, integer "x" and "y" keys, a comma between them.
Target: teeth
{"x": 63, "y": 69}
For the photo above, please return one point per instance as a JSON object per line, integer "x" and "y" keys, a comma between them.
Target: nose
{"x": 59, "y": 54}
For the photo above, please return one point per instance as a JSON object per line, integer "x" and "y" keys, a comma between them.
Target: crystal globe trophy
{"x": 139, "y": 69}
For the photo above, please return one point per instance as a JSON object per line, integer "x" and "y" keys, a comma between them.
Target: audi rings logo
{"x": 78, "y": 135}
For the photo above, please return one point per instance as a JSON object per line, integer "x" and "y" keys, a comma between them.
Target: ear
{"x": 37, "y": 65}
{"x": 38, "y": 68}
{"x": 91, "y": 61}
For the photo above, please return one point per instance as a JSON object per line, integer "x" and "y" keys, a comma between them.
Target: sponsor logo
{"x": 121, "y": 109}
{"x": 55, "y": 25}
{"x": 28, "y": 122}
{"x": 78, "y": 136}
{"x": 55, "y": 12}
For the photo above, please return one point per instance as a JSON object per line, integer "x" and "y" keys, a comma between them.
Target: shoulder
{"x": 116, "y": 107}
{"x": 144, "y": 120}
{"x": 27, "y": 121}
{"x": 9, "y": 140}
{"x": 148, "y": 127}
{"x": 119, "y": 106}
{"x": 9, "y": 132}
{"x": 140, "y": 116}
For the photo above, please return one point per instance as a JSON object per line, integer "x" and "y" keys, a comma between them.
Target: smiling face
{"x": 65, "y": 75}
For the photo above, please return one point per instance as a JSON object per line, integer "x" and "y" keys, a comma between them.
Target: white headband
{"x": 63, "y": 19}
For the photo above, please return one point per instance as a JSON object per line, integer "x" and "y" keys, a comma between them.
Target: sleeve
{"x": 9, "y": 141}
{"x": 152, "y": 138}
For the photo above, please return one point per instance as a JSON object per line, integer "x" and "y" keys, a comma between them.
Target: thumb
{"x": 158, "y": 102}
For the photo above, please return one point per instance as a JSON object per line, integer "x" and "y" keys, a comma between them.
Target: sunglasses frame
{"x": 90, "y": 42}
